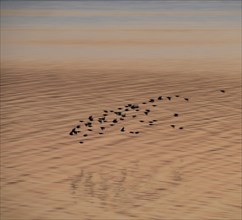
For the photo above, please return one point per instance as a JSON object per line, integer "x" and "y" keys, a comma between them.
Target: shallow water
{"x": 52, "y": 78}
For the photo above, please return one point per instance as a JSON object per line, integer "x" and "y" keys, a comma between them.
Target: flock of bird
{"x": 122, "y": 113}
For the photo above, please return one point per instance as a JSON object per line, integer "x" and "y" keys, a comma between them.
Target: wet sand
{"x": 161, "y": 173}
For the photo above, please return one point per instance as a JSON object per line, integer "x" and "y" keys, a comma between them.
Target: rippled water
{"x": 63, "y": 62}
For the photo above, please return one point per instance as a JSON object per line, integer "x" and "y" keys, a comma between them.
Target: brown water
{"x": 161, "y": 173}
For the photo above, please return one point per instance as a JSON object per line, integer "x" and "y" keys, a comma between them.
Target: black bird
{"x": 137, "y": 132}
{"x": 221, "y": 90}
{"x": 100, "y": 133}
{"x": 111, "y": 110}
{"x": 102, "y": 128}
{"x": 120, "y": 108}
{"x": 173, "y": 126}
{"x": 151, "y": 100}
{"x": 154, "y": 120}
{"x": 154, "y": 105}
{"x": 81, "y": 121}
{"x": 85, "y": 135}
{"x": 123, "y": 115}
{"x": 121, "y": 119}
{"x": 89, "y": 129}
{"x": 186, "y": 99}
{"x": 144, "y": 103}
{"x": 168, "y": 97}
{"x": 118, "y": 113}
{"x": 134, "y": 116}
{"x": 111, "y": 124}
{"x": 131, "y": 132}
{"x": 73, "y": 131}
{"x": 134, "y": 106}
{"x": 147, "y": 111}
{"x": 115, "y": 121}
{"x": 160, "y": 98}
{"x": 105, "y": 115}
{"x": 141, "y": 121}
{"x": 151, "y": 124}
{"x": 181, "y": 128}
{"x": 126, "y": 110}
{"x": 81, "y": 142}
{"x": 137, "y": 110}
{"x": 90, "y": 118}
{"x": 78, "y": 126}
{"x": 88, "y": 124}
{"x": 175, "y": 115}
{"x": 177, "y": 96}
{"x": 105, "y": 111}
{"x": 122, "y": 130}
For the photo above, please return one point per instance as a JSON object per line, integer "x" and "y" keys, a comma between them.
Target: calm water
{"x": 81, "y": 30}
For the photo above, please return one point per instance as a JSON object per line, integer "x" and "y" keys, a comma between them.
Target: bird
{"x": 168, "y": 97}
{"x": 115, "y": 121}
{"x": 181, "y": 128}
{"x": 173, "y": 126}
{"x": 121, "y": 119}
{"x": 100, "y": 133}
{"x": 154, "y": 105}
{"x": 81, "y": 142}
{"x": 90, "y": 118}
{"x": 105, "y": 115}
{"x": 73, "y": 131}
{"x": 141, "y": 121}
{"x": 221, "y": 90}
{"x": 81, "y": 121}
{"x": 111, "y": 124}
{"x": 154, "y": 120}
{"x": 175, "y": 115}
{"x": 122, "y": 129}
{"x": 151, "y": 100}
{"x": 111, "y": 110}
{"x": 102, "y": 128}
{"x": 78, "y": 126}
{"x": 88, "y": 124}
{"x": 85, "y": 135}
{"x": 137, "y": 132}
{"x": 126, "y": 109}
{"x": 177, "y": 96}
{"x": 137, "y": 110}
{"x": 89, "y": 129}
{"x": 147, "y": 111}
{"x": 134, "y": 116}
{"x": 186, "y": 99}
{"x": 106, "y": 111}
{"x": 120, "y": 108}
{"x": 160, "y": 98}
{"x": 144, "y": 103}
{"x": 131, "y": 132}
{"x": 100, "y": 120}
